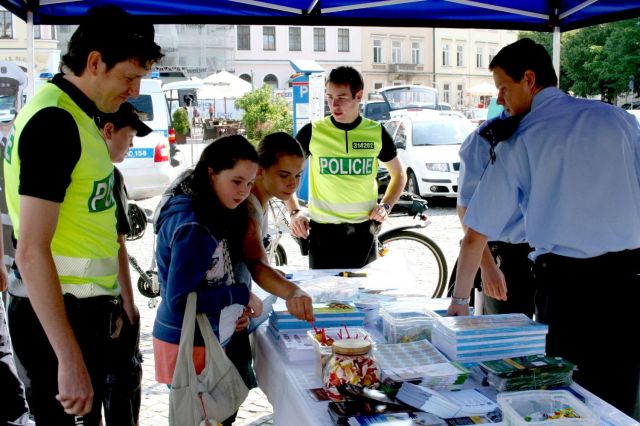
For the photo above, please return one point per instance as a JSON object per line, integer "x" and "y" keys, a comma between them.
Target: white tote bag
{"x": 217, "y": 392}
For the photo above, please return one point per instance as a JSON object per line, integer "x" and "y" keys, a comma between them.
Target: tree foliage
{"x": 264, "y": 113}
{"x": 597, "y": 60}
{"x": 181, "y": 121}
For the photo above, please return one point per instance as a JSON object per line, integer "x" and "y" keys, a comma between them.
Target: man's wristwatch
{"x": 460, "y": 300}
{"x": 386, "y": 206}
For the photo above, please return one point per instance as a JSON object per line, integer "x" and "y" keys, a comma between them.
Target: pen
{"x": 348, "y": 274}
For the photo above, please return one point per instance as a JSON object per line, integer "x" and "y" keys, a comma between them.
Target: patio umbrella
{"x": 482, "y": 89}
{"x": 223, "y": 85}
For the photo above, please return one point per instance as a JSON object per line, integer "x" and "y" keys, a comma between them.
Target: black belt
{"x": 342, "y": 228}
{"x": 506, "y": 249}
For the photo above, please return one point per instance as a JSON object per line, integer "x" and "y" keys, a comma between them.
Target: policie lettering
{"x": 346, "y": 166}
{"x": 102, "y": 195}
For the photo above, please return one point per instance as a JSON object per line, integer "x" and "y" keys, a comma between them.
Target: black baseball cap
{"x": 127, "y": 115}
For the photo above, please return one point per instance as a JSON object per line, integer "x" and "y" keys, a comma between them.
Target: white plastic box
{"x": 403, "y": 324}
{"x": 517, "y": 407}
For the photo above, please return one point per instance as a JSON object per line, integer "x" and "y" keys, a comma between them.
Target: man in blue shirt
{"x": 506, "y": 275}
{"x": 573, "y": 169}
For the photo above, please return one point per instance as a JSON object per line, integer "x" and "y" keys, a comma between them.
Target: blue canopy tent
{"x": 536, "y": 15}
{"x": 533, "y": 15}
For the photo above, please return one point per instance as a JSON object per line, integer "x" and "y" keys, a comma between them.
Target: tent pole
{"x": 556, "y": 51}
{"x": 31, "y": 67}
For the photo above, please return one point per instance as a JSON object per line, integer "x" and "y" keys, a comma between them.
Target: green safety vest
{"x": 84, "y": 245}
{"x": 343, "y": 171}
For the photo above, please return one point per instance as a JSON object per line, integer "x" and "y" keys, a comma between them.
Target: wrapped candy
{"x": 350, "y": 364}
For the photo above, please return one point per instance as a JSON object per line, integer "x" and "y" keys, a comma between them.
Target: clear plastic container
{"x": 324, "y": 350}
{"x": 538, "y": 407}
{"x": 351, "y": 364}
{"x": 406, "y": 323}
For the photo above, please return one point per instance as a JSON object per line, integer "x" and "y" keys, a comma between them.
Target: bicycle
{"x": 426, "y": 259}
{"x": 148, "y": 283}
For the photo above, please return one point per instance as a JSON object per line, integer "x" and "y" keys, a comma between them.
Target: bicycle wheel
{"x": 280, "y": 257}
{"x": 424, "y": 257}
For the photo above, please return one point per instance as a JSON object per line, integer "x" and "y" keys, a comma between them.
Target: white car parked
{"x": 428, "y": 145}
{"x": 146, "y": 169}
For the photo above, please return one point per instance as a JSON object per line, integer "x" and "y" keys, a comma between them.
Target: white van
{"x": 146, "y": 169}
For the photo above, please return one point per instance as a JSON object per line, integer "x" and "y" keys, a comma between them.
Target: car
{"x": 429, "y": 145}
{"x": 477, "y": 115}
{"x": 146, "y": 169}
{"x": 375, "y": 110}
{"x": 444, "y": 106}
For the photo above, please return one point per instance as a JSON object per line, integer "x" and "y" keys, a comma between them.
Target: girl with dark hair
{"x": 280, "y": 165}
{"x": 201, "y": 246}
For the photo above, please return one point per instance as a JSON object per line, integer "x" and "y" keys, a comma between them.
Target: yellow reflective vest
{"x": 343, "y": 171}
{"x": 85, "y": 245}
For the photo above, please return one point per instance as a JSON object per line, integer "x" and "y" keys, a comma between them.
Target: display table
{"x": 285, "y": 384}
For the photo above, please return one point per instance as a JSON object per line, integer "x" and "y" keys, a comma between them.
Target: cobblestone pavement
{"x": 256, "y": 410}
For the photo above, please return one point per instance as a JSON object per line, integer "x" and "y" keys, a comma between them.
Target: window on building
{"x": 343, "y": 39}
{"x": 319, "y": 40}
{"x": 492, "y": 53}
{"x": 445, "y": 93}
{"x": 377, "y": 85}
{"x": 416, "y": 48}
{"x": 244, "y": 37}
{"x": 445, "y": 55}
{"x": 459, "y": 94}
{"x": 268, "y": 38}
{"x": 246, "y": 77}
{"x": 396, "y": 52}
{"x": 460, "y": 56}
{"x": 271, "y": 80}
{"x": 295, "y": 39}
{"x": 7, "y": 24}
{"x": 377, "y": 51}
{"x": 479, "y": 57}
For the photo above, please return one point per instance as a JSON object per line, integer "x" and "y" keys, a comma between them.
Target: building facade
{"x": 394, "y": 56}
{"x": 262, "y": 52}
{"x": 462, "y": 58}
{"x": 13, "y": 44}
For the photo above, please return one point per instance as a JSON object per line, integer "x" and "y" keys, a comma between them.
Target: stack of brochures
{"x": 528, "y": 372}
{"x": 488, "y": 337}
{"x": 290, "y": 333}
{"x": 444, "y": 404}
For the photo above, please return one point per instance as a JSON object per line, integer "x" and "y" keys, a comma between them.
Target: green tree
{"x": 600, "y": 59}
{"x": 181, "y": 121}
{"x": 264, "y": 113}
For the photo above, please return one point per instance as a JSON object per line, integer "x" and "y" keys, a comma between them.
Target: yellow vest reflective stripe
{"x": 84, "y": 246}
{"x": 343, "y": 170}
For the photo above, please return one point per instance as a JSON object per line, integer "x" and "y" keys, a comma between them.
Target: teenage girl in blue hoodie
{"x": 201, "y": 227}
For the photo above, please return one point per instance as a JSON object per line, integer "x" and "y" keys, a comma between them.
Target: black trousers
{"x": 513, "y": 261}
{"x": 92, "y": 320}
{"x": 341, "y": 246}
{"x": 583, "y": 328}
{"x": 123, "y": 392}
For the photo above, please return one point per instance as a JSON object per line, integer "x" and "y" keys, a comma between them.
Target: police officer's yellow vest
{"x": 343, "y": 170}
{"x": 84, "y": 246}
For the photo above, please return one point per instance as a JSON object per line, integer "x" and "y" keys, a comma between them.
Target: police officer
{"x": 65, "y": 305}
{"x": 344, "y": 150}
{"x": 506, "y": 270}
{"x": 573, "y": 168}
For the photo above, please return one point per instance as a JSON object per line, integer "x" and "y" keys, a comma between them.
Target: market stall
{"x": 289, "y": 384}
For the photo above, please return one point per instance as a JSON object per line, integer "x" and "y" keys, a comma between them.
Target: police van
{"x": 146, "y": 169}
